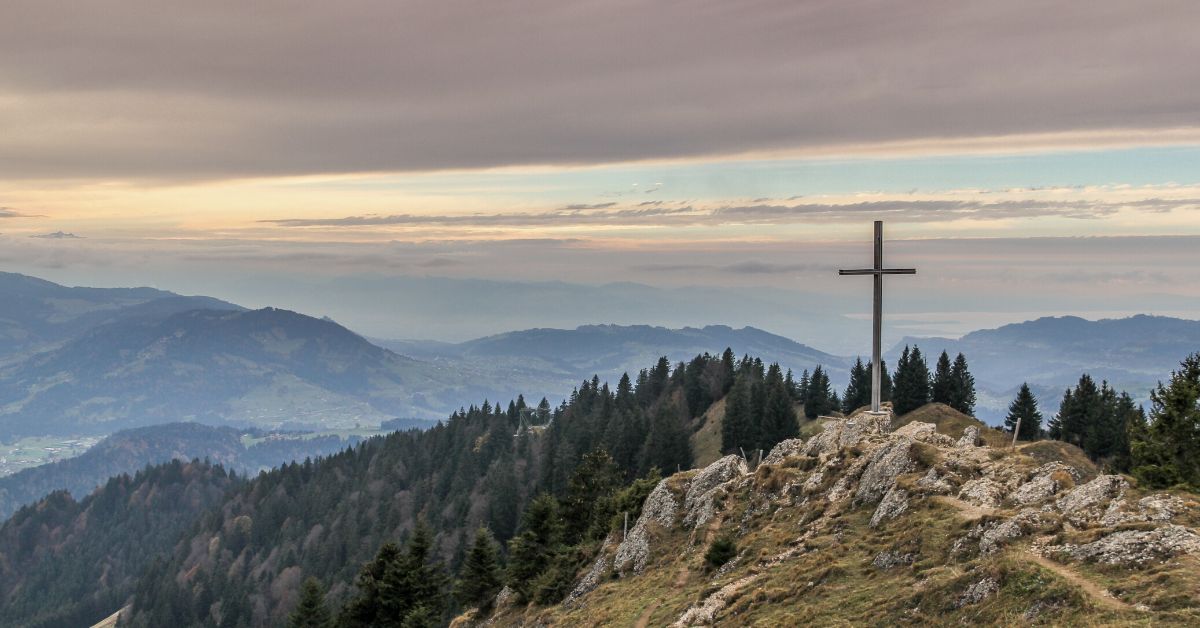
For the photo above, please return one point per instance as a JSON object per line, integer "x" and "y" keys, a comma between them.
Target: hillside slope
{"x": 861, "y": 526}
{"x": 70, "y": 563}
{"x": 264, "y": 368}
{"x": 552, "y": 361}
{"x": 36, "y": 314}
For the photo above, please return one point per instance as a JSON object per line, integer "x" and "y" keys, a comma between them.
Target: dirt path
{"x": 681, "y": 577}
{"x": 1094, "y": 591}
{"x": 1099, "y": 595}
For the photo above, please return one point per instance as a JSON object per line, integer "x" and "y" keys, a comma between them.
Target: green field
{"x": 38, "y": 450}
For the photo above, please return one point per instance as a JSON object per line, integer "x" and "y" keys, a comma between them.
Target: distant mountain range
{"x": 1051, "y": 353}
{"x": 556, "y": 360}
{"x": 93, "y": 361}
{"x": 37, "y": 314}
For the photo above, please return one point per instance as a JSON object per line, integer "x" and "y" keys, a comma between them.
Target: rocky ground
{"x": 862, "y": 525}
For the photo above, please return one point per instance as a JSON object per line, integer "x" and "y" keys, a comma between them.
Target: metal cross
{"x": 878, "y": 272}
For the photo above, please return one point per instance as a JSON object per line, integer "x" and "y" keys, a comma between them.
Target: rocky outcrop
{"x": 698, "y": 503}
{"x": 1133, "y": 548}
{"x": 984, "y": 492}
{"x": 659, "y": 510}
{"x": 784, "y": 450}
{"x": 892, "y": 559}
{"x": 592, "y": 578}
{"x": 1046, "y": 482}
{"x": 925, "y": 433}
{"x": 969, "y": 438}
{"x": 978, "y": 592}
{"x": 893, "y": 504}
{"x": 883, "y": 467}
{"x": 1159, "y": 507}
{"x": 1089, "y": 502}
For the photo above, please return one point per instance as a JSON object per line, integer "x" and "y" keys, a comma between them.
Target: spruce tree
{"x": 820, "y": 399}
{"x": 736, "y": 426}
{"x": 667, "y": 446}
{"x": 1166, "y": 450}
{"x": 311, "y": 612}
{"x": 858, "y": 391}
{"x": 779, "y": 414}
{"x": 962, "y": 386}
{"x": 536, "y": 547}
{"x": 942, "y": 388}
{"x": 587, "y": 506}
{"x": 911, "y": 384}
{"x": 480, "y": 578}
{"x": 1024, "y": 408}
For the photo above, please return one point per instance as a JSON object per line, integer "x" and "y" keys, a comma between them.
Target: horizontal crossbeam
{"x": 881, "y": 271}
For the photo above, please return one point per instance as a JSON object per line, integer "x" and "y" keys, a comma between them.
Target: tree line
{"x": 1161, "y": 448}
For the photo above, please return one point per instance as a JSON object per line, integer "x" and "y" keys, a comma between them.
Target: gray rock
{"x": 982, "y": 492}
{"x": 885, "y": 465}
{"x": 592, "y": 578}
{"x": 924, "y": 432}
{"x": 698, "y": 504}
{"x": 1043, "y": 485}
{"x": 1134, "y": 548}
{"x": 785, "y": 449}
{"x": 978, "y": 592}
{"x": 891, "y": 559}
{"x": 999, "y": 534}
{"x": 659, "y": 510}
{"x": 893, "y": 504}
{"x": 506, "y": 597}
{"x": 1088, "y": 502}
{"x": 931, "y": 482}
{"x": 970, "y": 437}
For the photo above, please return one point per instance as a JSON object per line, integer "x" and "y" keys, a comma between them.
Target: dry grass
{"x": 951, "y": 422}
{"x": 706, "y": 441}
{"x": 1044, "y": 451}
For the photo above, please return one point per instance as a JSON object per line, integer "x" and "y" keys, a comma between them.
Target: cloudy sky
{"x": 444, "y": 169}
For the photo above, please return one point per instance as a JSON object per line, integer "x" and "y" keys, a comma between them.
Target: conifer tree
{"x": 779, "y": 414}
{"x": 399, "y": 589}
{"x": 735, "y": 428}
{"x": 802, "y": 387}
{"x": 587, "y": 506}
{"x": 821, "y": 399}
{"x": 1166, "y": 449}
{"x": 858, "y": 391}
{"x": 911, "y": 383}
{"x": 480, "y": 578}
{"x": 536, "y": 547}
{"x": 311, "y": 612}
{"x": 942, "y": 389}
{"x": 667, "y": 446}
{"x": 1024, "y": 408}
{"x": 962, "y": 386}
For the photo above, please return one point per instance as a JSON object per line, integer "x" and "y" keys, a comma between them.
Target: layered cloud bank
{"x": 149, "y": 89}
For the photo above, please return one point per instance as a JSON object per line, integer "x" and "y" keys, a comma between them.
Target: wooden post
{"x": 1016, "y": 430}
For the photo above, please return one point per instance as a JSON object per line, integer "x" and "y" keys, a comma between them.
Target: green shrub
{"x": 720, "y": 551}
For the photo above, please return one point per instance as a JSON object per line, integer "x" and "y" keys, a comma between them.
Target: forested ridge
{"x": 128, "y": 451}
{"x": 70, "y": 563}
{"x": 411, "y": 528}
{"x": 244, "y": 563}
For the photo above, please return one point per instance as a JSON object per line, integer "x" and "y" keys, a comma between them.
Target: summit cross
{"x": 877, "y": 272}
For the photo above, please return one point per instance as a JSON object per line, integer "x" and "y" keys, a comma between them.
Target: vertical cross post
{"x": 877, "y": 271}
